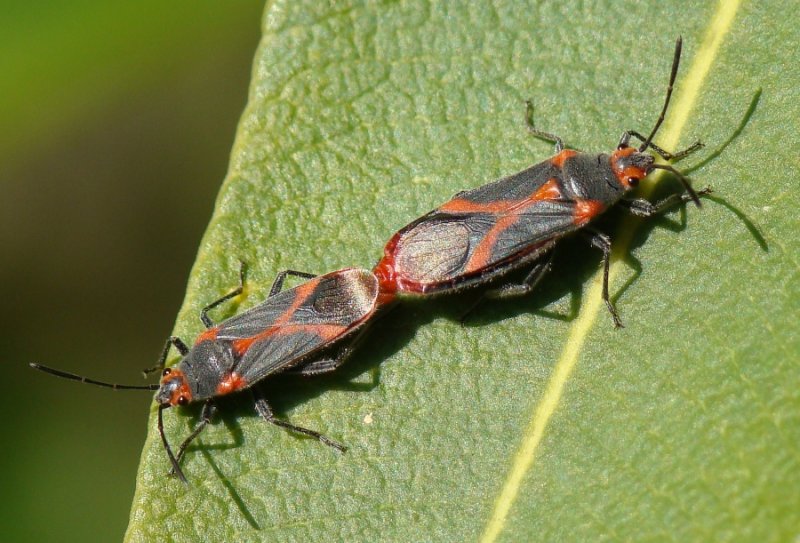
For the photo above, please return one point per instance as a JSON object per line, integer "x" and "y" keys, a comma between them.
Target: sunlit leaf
{"x": 538, "y": 420}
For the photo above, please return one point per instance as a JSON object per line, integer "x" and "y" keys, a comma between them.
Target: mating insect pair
{"x": 473, "y": 238}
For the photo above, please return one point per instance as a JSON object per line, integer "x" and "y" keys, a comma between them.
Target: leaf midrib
{"x": 682, "y": 106}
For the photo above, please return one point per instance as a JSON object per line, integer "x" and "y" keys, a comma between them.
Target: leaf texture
{"x": 682, "y": 426}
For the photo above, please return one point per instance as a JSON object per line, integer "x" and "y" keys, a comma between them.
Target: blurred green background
{"x": 118, "y": 118}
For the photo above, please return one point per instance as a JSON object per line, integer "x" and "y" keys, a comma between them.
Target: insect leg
{"x": 176, "y": 468}
{"x": 666, "y": 155}
{"x": 528, "y": 284}
{"x": 172, "y": 340}
{"x": 205, "y": 417}
{"x": 263, "y": 408}
{"x": 540, "y": 133}
{"x": 603, "y": 242}
{"x": 235, "y": 292}
{"x": 643, "y": 208}
{"x": 326, "y": 365}
{"x": 178, "y": 343}
{"x": 277, "y": 285}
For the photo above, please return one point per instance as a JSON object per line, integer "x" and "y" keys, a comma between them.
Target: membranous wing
{"x": 482, "y": 229}
{"x": 292, "y": 325}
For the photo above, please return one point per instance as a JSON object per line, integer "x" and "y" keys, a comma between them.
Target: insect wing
{"x": 540, "y": 222}
{"x": 257, "y": 319}
{"x": 319, "y": 313}
{"x": 483, "y": 229}
{"x": 513, "y": 188}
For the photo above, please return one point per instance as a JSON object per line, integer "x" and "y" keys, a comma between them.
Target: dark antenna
{"x": 675, "y": 62}
{"x": 683, "y": 180}
{"x": 154, "y": 386}
{"x": 74, "y": 377}
{"x": 175, "y": 467}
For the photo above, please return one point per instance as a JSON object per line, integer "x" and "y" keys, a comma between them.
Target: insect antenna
{"x": 154, "y": 386}
{"x": 175, "y": 467}
{"x": 74, "y": 377}
{"x": 675, "y": 62}
{"x": 684, "y": 181}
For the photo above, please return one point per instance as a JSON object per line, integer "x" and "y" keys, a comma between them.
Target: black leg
{"x": 176, "y": 468}
{"x": 603, "y": 242}
{"x": 173, "y": 340}
{"x": 235, "y": 292}
{"x": 643, "y": 208}
{"x": 666, "y": 155}
{"x": 323, "y": 365}
{"x": 552, "y": 138}
{"x": 277, "y": 285}
{"x": 528, "y": 284}
{"x": 205, "y": 417}
{"x": 263, "y": 408}
{"x": 327, "y": 365}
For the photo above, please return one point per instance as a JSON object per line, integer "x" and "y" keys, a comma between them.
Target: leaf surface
{"x": 537, "y": 421}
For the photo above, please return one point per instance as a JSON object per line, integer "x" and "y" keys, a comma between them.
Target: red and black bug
{"x": 292, "y": 331}
{"x": 517, "y": 220}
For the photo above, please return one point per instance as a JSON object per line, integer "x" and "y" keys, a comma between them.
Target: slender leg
{"x": 603, "y": 242}
{"x": 173, "y": 340}
{"x": 178, "y": 343}
{"x": 277, "y": 285}
{"x": 327, "y": 365}
{"x": 318, "y": 367}
{"x": 528, "y": 284}
{"x": 643, "y": 208}
{"x": 176, "y": 468}
{"x": 666, "y": 155}
{"x": 235, "y": 292}
{"x": 540, "y": 133}
{"x": 263, "y": 408}
{"x": 205, "y": 417}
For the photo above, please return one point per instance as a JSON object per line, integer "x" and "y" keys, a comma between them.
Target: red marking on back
{"x": 240, "y": 346}
{"x": 326, "y": 331}
{"x": 548, "y": 191}
{"x": 302, "y": 293}
{"x": 459, "y": 205}
{"x": 208, "y": 335}
{"x": 386, "y": 273}
{"x": 231, "y": 383}
{"x": 509, "y": 212}
{"x": 559, "y": 160}
{"x": 483, "y": 252}
{"x": 391, "y": 280}
{"x": 282, "y": 326}
{"x": 586, "y": 210}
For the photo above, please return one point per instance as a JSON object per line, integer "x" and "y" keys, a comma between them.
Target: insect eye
{"x": 166, "y": 372}
{"x": 182, "y": 400}
{"x": 633, "y": 181}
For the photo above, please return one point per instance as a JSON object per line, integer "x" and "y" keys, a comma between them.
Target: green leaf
{"x": 523, "y": 425}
